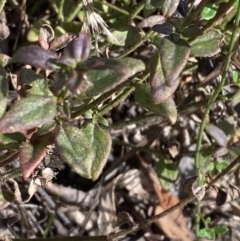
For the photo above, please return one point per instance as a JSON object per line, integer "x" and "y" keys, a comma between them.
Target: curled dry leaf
{"x": 151, "y": 21}
{"x": 61, "y": 41}
{"x": 31, "y": 190}
{"x": 223, "y": 196}
{"x": 3, "y": 91}
{"x": 46, "y": 36}
{"x": 8, "y": 222}
{"x": 198, "y": 191}
{"x": 4, "y": 29}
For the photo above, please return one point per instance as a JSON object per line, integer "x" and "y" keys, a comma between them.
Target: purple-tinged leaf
{"x": 78, "y": 48}
{"x": 173, "y": 56}
{"x": 159, "y": 90}
{"x": 166, "y": 109}
{"x": 30, "y": 112}
{"x": 34, "y": 55}
{"x": 125, "y": 36}
{"x": 86, "y": 150}
{"x": 221, "y": 151}
{"x": 151, "y": 21}
{"x": 30, "y": 155}
{"x": 217, "y": 134}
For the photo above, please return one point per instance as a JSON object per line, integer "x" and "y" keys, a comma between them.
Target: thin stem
{"x": 82, "y": 109}
{"x": 211, "y": 102}
{"x": 126, "y": 92}
{"x": 60, "y": 11}
{"x": 138, "y": 9}
{"x": 2, "y": 4}
{"x": 116, "y": 8}
{"x": 74, "y": 13}
{"x": 130, "y": 50}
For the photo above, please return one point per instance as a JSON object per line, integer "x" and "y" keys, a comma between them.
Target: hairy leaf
{"x": 166, "y": 109}
{"x": 32, "y": 83}
{"x": 207, "y": 45}
{"x": 86, "y": 150}
{"x": 125, "y": 36}
{"x": 30, "y": 112}
{"x": 173, "y": 56}
{"x": 108, "y": 73}
{"x": 159, "y": 90}
{"x": 34, "y": 55}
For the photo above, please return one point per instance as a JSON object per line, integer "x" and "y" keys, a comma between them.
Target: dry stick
{"x": 182, "y": 203}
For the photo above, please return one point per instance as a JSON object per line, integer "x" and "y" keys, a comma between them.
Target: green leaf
{"x": 32, "y": 83}
{"x": 125, "y": 36}
{"x": 207, "y": 45}
{"x": 30, "y": 112}
{"x": 166, "y": 109}
{"x": 235, "y": 76}
{"x": 207, "y": 221}
{"x": 12, "y": 140}
{"x": 209, "y": 11}
{"x": 7, "y": 195}
{"x": 86, "y": 150}
{"x": 173, "y": 55}
{"x": 220, "y": 229}
{"x": 151, "y": 6}
{"x": 3, "y": 91}
{"x": 160, "y": 91}
{"x": 220, "y": 166}
{"x": 169, "y": 7}
{"x": 206, "y": 233}
{"x": 167, "y": 172}
{"x": 108, "y": 73}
